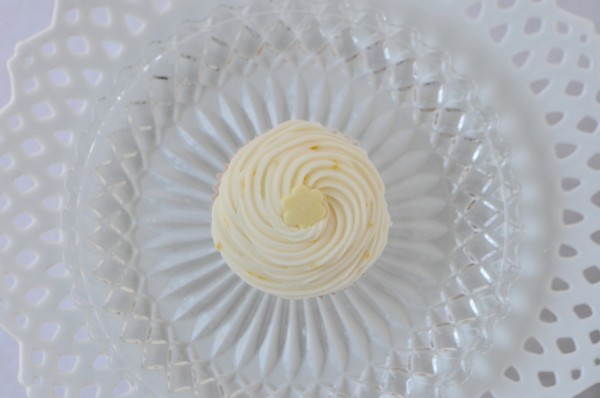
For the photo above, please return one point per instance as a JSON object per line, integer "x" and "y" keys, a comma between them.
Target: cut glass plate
{"x": 144, "y": 181}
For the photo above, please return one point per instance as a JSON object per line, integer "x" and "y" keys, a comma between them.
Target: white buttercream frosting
{"x": 300, "y": 212}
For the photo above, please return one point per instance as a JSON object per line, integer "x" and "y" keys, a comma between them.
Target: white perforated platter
{"x": 535, "y": 65}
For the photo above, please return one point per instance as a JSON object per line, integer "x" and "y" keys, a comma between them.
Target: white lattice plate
{"x": 139, "y": 334}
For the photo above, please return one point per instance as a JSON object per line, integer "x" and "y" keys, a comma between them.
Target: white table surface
{"x": 19, "y": 19}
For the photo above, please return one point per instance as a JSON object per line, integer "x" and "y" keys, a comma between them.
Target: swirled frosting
{"x": 300, "y": 212}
